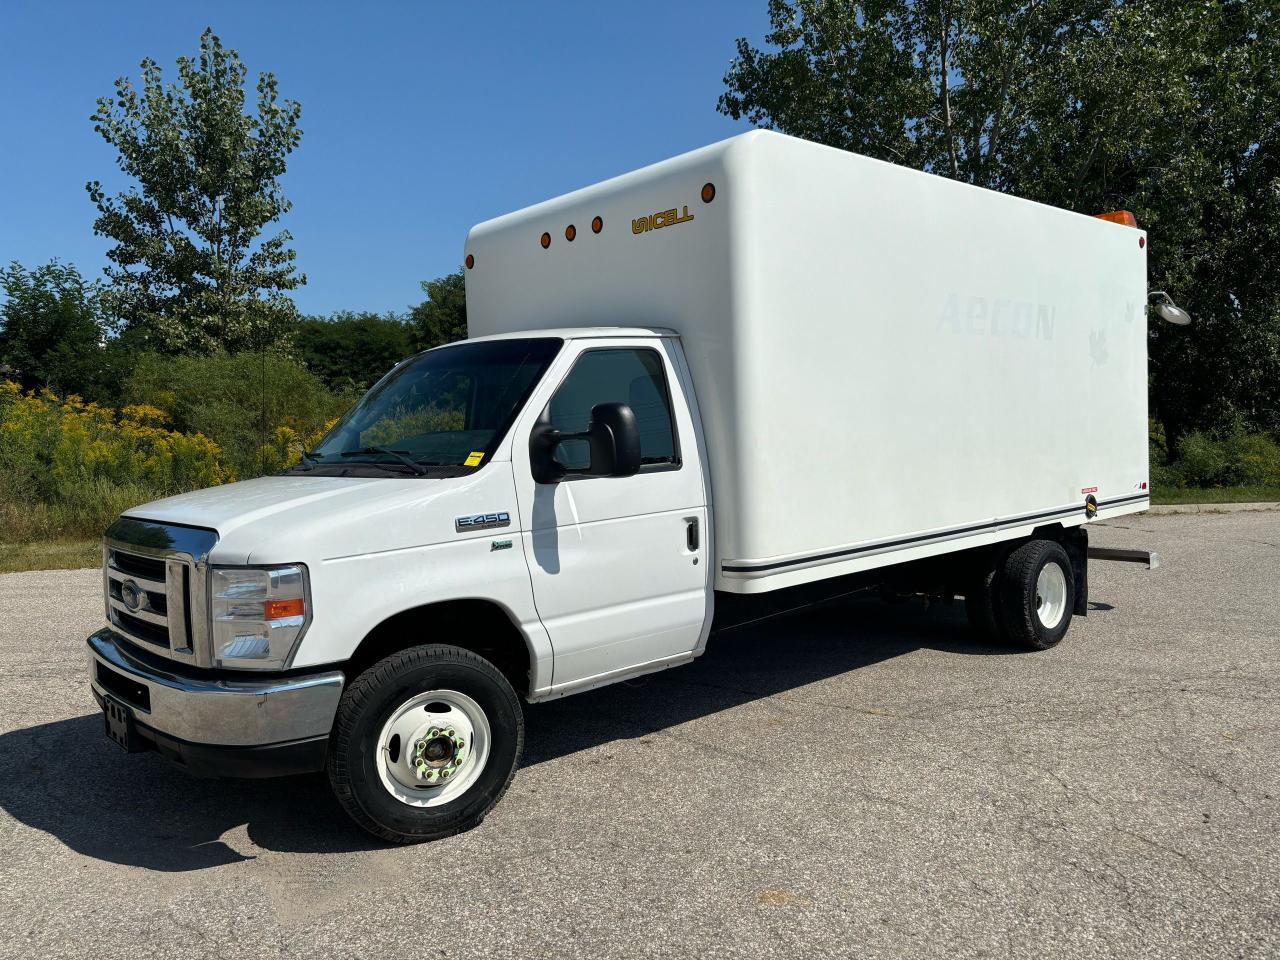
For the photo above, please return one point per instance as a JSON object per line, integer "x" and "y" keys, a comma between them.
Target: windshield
{"x": 446, "y": 408}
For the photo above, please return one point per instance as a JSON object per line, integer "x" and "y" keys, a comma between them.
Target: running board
{"x": 1149, "y": 557}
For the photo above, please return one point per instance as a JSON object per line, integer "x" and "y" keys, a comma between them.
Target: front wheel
{"x": 1036, "y": 594}
{"x": 425, "y": 743}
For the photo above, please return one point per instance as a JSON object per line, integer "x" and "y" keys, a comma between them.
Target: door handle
{"x": 691, "y": 533}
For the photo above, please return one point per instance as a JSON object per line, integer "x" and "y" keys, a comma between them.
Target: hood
{"x": 299, "y": 518}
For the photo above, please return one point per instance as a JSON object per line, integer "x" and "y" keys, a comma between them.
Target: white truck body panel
{"x": 889, "y": 364}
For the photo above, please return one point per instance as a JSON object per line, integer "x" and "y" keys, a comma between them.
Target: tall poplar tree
{"x": 191, "y": 264}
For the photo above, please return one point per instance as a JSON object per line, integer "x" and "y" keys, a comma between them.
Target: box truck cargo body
{"x": 759, "y": 375}
{"x": 889, "y": 364}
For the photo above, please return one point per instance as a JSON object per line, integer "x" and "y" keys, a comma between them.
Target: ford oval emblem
{"x": 133, "y": 596}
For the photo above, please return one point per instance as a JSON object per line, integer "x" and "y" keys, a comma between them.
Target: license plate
{"x": 119, "y": 722}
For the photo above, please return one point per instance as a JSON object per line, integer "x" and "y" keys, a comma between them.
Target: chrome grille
{"x": 154, "y": 584}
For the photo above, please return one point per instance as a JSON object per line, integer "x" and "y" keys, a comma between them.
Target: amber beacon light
{"x": 1122, "y": 217}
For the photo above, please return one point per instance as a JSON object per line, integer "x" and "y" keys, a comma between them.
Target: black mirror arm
{"x": 542, "y": 447}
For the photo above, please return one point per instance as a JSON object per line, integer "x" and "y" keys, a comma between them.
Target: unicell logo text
{"x": 996, "y": 317}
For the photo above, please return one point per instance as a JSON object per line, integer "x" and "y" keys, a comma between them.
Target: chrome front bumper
{"x": 217, "y": 713}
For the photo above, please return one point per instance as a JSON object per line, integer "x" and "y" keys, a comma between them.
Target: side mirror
{"x": 613, "y": 437}
{"x": 615, "y": 441}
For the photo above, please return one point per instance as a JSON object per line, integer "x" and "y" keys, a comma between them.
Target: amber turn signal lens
{"x": 570, "y": 232}
{"x": 708, "y": 192}
{"x": 281, "y": 609}
{"x": 546, "y": 240}
{"x": 597, "y": 225}
{"x": 470, "y": 261}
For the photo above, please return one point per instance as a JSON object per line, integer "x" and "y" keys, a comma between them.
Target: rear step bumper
{"x": 1149, "y": 557}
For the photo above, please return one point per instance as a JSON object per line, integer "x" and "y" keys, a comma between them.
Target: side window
{"x": 631, "y": 376}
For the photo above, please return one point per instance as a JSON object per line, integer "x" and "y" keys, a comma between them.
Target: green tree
{"x": 51, "y": 329}
{"x": 349, "y": 349}
{"x": 190, "y": 264}
{"x": 1168, "y": 108}
{"x": 442, "y": 317}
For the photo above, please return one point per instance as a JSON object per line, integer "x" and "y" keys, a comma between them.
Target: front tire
{"x": 425, "y": 743}
{"x": 1036, "y": 594}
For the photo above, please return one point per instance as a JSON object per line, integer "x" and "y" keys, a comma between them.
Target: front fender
{"x": 352, "y": 595}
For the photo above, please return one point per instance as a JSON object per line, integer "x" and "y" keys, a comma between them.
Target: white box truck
{"x": 758, "y": 374}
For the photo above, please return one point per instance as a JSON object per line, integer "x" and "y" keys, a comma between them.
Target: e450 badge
{"x": 482, "y": 521}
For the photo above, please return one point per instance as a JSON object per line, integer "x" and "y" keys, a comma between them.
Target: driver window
{"x": 631, "y": 376}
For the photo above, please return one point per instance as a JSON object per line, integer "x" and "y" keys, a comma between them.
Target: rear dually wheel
{"x": 1036, "y": 594}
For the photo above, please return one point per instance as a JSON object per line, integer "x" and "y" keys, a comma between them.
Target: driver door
{"x": 618, "y": 564}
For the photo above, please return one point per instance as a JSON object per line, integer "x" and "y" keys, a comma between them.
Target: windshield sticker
{"x": 474, "y": 459}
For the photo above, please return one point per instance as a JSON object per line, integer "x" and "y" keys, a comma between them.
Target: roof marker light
{"x": 546, "y": 240}
{"x": 470, "y": 261}
{"x": 597, "y": 224}
{"x": 1122, "y": 217}
{"x": 708, "y": 192}
{"x": 570, "y": 232}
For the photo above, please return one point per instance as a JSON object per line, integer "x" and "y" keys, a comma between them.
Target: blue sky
{"x": 419, "y": 118}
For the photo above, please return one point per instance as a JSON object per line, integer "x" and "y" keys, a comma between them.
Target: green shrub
{"x": 68, "y": 467}
{"x": 1254, "y": 459}
{"x": 258, "y": 408}
{"x": 1237, "y": 458}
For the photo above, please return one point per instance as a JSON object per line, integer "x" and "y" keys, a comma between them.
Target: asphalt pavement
{"x": 857, "y": 780}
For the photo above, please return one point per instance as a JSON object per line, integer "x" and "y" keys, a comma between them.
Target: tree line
{"x": 1167, "y": 108}
{"x": 197, "y": 265}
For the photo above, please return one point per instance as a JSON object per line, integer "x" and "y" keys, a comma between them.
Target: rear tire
{"x": 426, "y": 741}
{"x": 1035, "y": 594}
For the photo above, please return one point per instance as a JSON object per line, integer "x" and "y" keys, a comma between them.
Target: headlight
{"x": 259, "y": 615}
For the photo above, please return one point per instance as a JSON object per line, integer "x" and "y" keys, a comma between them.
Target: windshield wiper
{"x": 401, "y": 455}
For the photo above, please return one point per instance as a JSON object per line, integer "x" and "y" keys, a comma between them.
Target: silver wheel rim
{"x": 1051, "y": 595}
{"x": 433, "y": 747}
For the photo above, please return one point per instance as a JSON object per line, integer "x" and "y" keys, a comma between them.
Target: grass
{"x": 1216, "y": 495}
{"x": 50, "y": 555}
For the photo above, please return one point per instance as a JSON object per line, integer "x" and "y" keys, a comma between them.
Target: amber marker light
{"x": 470, "y": 261}
{"x": 708, "y": 192}
{"x": 570, "y": 232}
{"x": 546, "y": 240}
{"x": 597, "y": 224}
{"x": 1122, "y": 217}
{"x": 283, "y": 609}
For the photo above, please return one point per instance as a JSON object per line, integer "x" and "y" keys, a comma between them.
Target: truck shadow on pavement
{"x": 66, "y": 779}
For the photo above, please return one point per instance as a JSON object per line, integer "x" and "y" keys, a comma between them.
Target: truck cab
{"x": 425, "y": 519}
